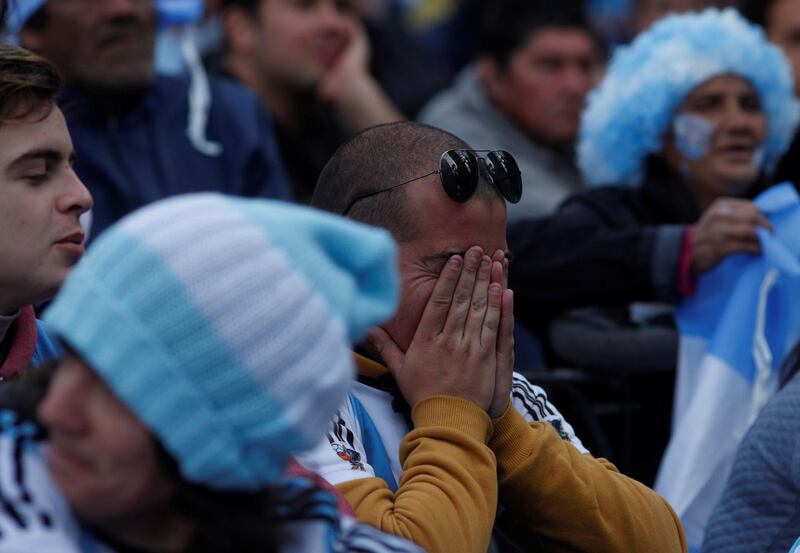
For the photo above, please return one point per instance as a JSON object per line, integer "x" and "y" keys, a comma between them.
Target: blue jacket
{"x": 146, "y": 154}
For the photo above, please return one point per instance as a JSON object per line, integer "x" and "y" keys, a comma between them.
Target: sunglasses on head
{"x": 459, "y": 172}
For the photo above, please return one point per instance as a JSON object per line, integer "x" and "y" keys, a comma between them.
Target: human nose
{"x": 62, "y": 406}
{"x": 576, "y": 80}
{"x": 737, "y": 117}
{"x": 332, "y": 17}
{"x": 76, "y": 198}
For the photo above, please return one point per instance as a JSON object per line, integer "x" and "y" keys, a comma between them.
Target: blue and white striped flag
{"x": 735, "y": 333}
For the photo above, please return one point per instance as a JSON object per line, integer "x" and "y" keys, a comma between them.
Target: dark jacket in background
{"x": 608, "y": 246}
{"x": 145, "y": 155}
{"x": 789, "y": 166}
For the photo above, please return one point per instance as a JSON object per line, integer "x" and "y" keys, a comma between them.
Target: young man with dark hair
{"x": 41, "y": 201}
{"x": 525, "y": 94}
{"x": 309, "y": 64}
{"x": 143, "y": 137}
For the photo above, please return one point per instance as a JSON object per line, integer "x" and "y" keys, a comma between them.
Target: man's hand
{"x": 350, "y": 68}
{"x": 505, "y": 338}
{"x": 454, "y": 350}
{"x": 350, "y": 88}
{"x": 727, "y": 226}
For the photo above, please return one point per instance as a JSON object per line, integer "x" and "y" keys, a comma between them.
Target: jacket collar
{"x": 375, "y": 375}
{"x": 369, "y": 368}
{"x": 79, "y": 106}
{"x": 23, "y": 333}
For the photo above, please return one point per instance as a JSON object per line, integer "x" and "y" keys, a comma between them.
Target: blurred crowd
{"x": 313, "y": 275}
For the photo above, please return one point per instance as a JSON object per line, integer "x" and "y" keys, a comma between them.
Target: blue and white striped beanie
{"x": 629, "y": 113}
{"x": 226, "y": 325}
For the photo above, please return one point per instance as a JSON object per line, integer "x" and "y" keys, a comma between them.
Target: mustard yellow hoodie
{"x": 456, "y": 461}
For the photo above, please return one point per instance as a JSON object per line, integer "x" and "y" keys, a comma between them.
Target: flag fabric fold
{"x": 735, "y": 332}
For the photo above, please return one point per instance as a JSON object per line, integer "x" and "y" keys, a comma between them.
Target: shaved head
{"x": 378, "y": 158}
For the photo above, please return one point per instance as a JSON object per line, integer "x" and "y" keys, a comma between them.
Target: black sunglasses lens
{"x": 505, "y": 173}
{"x": 459, "y": 173}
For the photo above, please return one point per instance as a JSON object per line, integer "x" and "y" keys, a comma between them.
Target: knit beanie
{"x": 225, "y": 325}
{"x": 646, "y": 82}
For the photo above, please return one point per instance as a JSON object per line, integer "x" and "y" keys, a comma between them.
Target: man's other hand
{"x": 505, "y": 338}
{"x": 454, "y": 349}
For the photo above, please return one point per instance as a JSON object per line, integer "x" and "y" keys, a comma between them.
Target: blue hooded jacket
{"x": 148, "y": 153}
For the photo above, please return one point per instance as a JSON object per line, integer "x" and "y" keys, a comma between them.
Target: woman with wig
{"x": 675, "y": 142}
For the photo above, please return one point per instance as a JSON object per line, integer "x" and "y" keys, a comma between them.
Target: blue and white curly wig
{"x": 629, "y": 113}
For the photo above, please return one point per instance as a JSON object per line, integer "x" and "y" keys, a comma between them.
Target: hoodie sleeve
{"x": 573, "y": 502}
{"x": 595, "y": 250}
{"x": 447, "y": 495}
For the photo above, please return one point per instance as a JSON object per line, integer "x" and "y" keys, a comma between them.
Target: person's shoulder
{"x": 226, "y": 92}
{"x": 448, "y": 106}
{"x": 170, "y": 90}
{"x": 606, "y": 200}
{"x": 357, "y": 536}
{"x": 767, "y": 457}
{"x": 35, "y": 515}
{"x": 237, "y": 113}
{"x": 607, "y": 193}
{"x": 311, "y": 518}
{"x": 532, "y": 402}
{"x": 231, "y": 91}
{"x": 347, "y": 535}
{"x": 777, "y": 423}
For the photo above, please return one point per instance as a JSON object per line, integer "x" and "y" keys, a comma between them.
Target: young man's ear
{"x": 492, "y": 76}
{"x": 241, "y": 30}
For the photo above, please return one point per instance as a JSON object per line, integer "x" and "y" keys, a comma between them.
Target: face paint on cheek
{"x": 758, "y": 159}
{"x": 692, "y": 136}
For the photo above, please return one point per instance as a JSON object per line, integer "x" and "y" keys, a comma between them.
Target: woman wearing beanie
{"x": 208, "y": 340}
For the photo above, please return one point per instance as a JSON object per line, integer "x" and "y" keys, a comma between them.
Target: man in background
{"x": 143, "y": 137}
{"x": 525, "y": 94}
{"x": 309, "y": 64}
{"x": 41, "y": 201}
